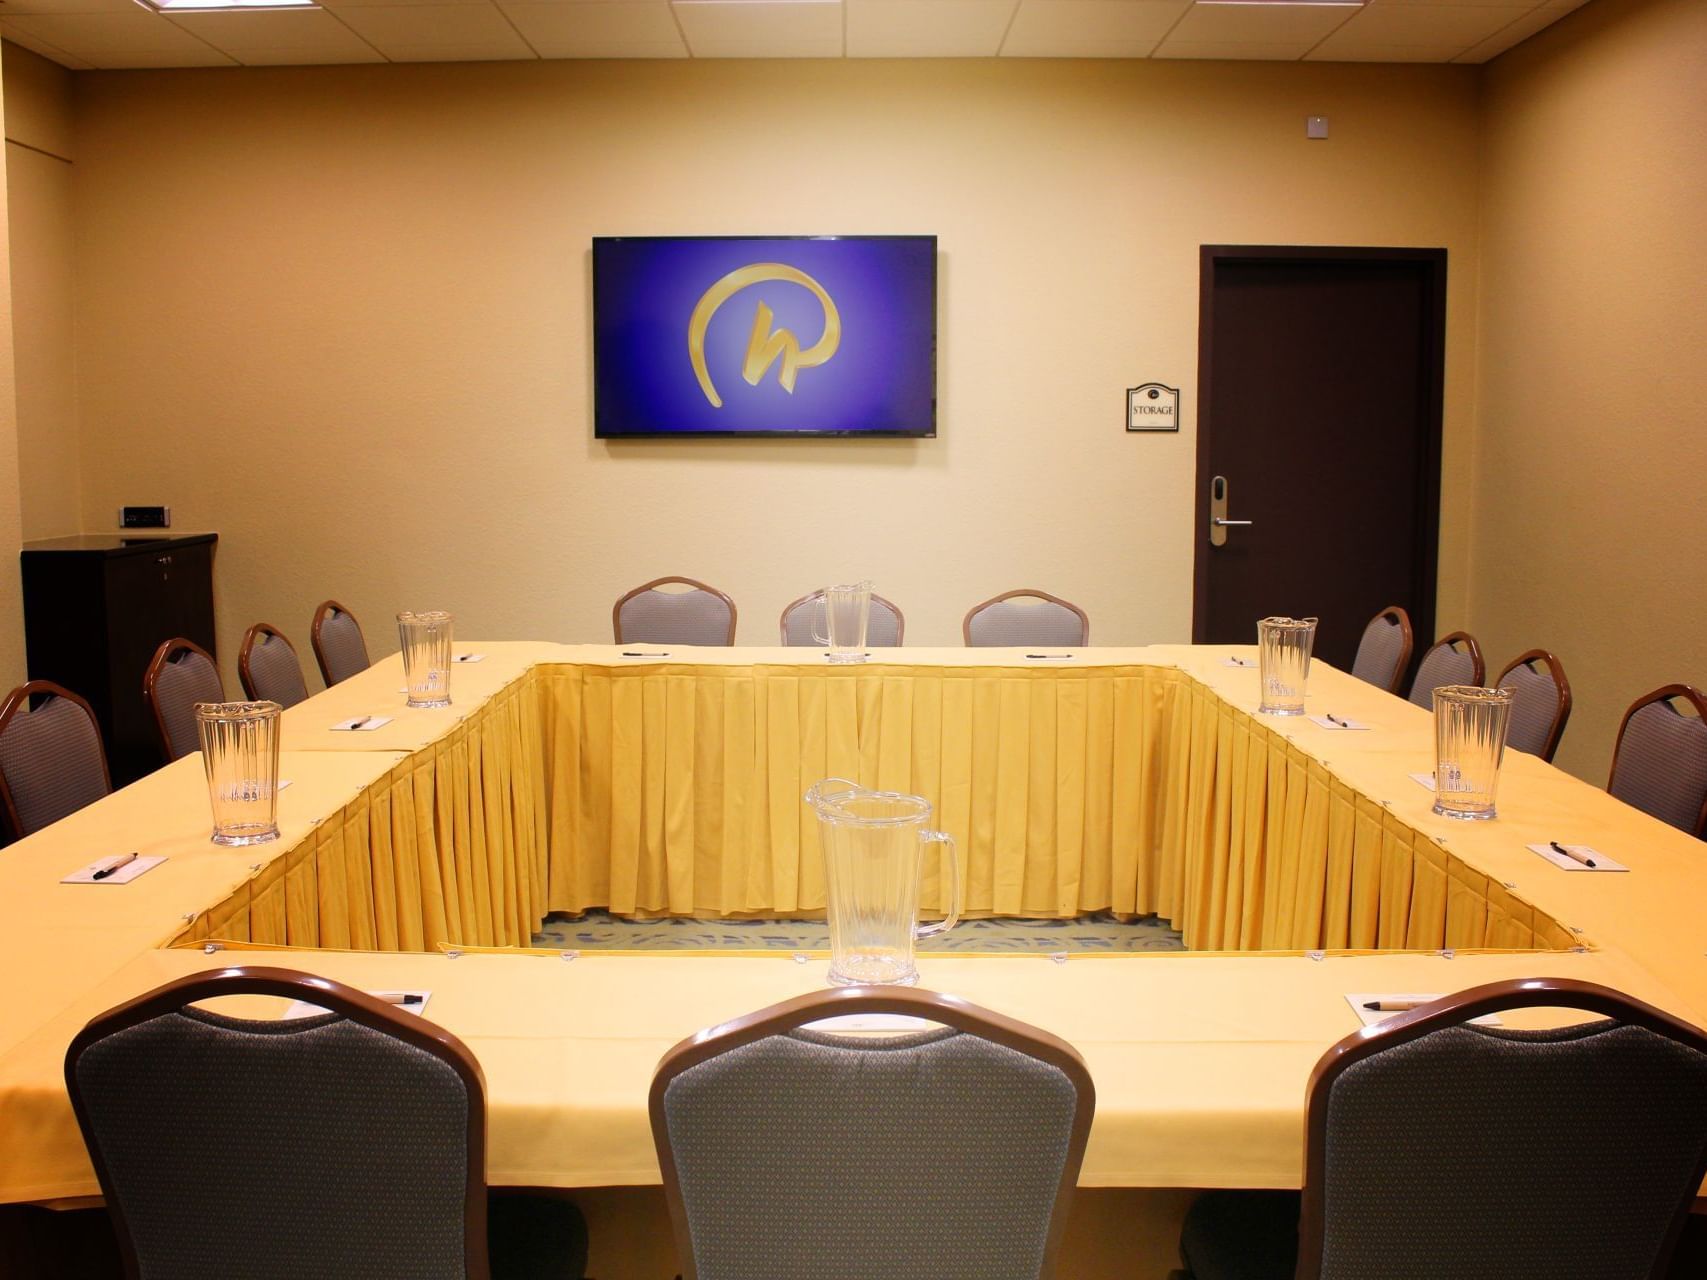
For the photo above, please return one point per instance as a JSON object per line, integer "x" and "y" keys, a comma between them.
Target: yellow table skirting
{"x": 676, "y": 789}
{"x": 448, "y": 847}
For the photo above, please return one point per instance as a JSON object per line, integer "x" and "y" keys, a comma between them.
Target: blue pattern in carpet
{"x": 1101, "y": 931}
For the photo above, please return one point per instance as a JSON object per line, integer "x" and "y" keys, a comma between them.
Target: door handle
{"x": 1218, "y": 521}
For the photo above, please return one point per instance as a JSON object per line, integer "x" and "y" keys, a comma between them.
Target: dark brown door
{"x": 1319, "y": 376}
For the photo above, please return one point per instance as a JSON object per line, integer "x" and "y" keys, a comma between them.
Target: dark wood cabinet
{"x": 95, "y": 609}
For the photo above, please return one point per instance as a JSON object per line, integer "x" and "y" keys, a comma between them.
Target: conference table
{"x": 1302, "y": 863}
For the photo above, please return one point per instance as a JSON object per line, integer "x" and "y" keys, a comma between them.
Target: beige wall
{"x": 11, "y": 528}
{"x": 341, "y": 316}
{"x": 39, "y": 149}
{"x": 1591, "y": 525}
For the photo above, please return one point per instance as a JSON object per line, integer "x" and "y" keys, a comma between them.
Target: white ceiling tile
{"x": 1457, "y": 4}
{"x": 438, "y": 33}
{"x": 761, "y": 28}
{"x": 1234, "y": 50}
{"x": 134, "y": 39}
{"x": 1355, "y": 50}
{"x": 1091, "y": 28}
{"x": 935, "y": 29}
{"x": 599, "y": 28}
{"x": 42, "y": 47}
{"x": 11, "y": 8}
{"x": 1519, "y": 31}
{"x": 340, "y": 5}
{"x": 279, "y": 37}
{"x": 1259, "y": 23}
{"x": 1431, "y": 25}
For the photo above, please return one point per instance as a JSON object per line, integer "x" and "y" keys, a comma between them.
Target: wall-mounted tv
{"x": 704, "y": 336}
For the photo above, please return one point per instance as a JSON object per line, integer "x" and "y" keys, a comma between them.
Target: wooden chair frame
{"x": 1030, "y": 592}
{"x": 325, "y": 608}
{"x": 900, "y": 618}
{"x": 1407, "y": 641}
{"x": 1455, "y": 1010}
{"x": 164, "y": 654}
{"x": 1691, "y": 695}
{"x": 250, "y": 637}
{"x": 1478, "y": 668}
{"x": 643, "y": 588}
{"x": 950, "y": 1011}
{"x": 1556, "y": 672}
{"x": 19, "y": 700}
{"x": 335, "y": 997}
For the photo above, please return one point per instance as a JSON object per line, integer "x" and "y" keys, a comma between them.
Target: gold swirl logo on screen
{"x": 764, "y": 347}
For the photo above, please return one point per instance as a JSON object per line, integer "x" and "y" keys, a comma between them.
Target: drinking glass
{"x": 1283, "y": 655}
{"x": 847, "y": 609}
{"x": 426, "y": 657}
{"x": 1470, "y": 725}
{"x": 240, "y": 749}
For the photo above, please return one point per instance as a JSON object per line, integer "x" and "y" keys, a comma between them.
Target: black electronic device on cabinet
{"x": 96, "y": 606}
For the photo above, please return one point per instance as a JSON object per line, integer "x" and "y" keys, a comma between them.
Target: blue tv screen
{"x": 704, "y": 336}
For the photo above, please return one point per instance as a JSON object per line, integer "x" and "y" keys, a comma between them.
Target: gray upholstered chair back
{"x": 884, "y": 626}
{"x": 325, "y": 1146}
{"x": 1026, "y": 617}
{"x": 1454, "y": 659}
{"x": 697, "y": 615}
{"x": 338, "y": 644}
{"x": 1660, "y": 764}
{"x": 1540, "y": 702}
{"x": 822, "y": 1156}
{"x": 1384, "y": 649}
{"x": 269, "y": 668}
{"x": 181, "y": 675}
{"x": 1483, "y": 1153}
{"x": 51, "y": 762}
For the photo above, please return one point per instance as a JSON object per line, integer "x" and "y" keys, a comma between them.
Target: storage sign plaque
{"x": 1152, "y": 407}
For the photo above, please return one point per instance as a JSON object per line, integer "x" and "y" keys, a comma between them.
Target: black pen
{"x": 1556, "y": 847}
{"x": 400, "y": 997}
{"x": 627, "y": 654}
{"x": 1395, "y": 1006}
{"x": 356, "y": 724}
{"x": 111, "y": 867}
{"x": 1336, "y": 720}
{"x": 1048, "y": 655}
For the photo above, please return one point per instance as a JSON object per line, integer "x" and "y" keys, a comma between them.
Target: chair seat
{"x": 1241, "y": 1235}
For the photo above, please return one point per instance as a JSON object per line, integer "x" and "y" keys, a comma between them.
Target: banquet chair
{"x": 1384, "y": 651}
{"x": 268, "y": 667}
{"x": 651, "y": 615}
{"x": 181, "y": 675}
{"x": 347, "y": 1143}
{"x": 51, "y": 759}
{"x": 881, "y": 1157}
{"x": 1454, "y": 659}
{"x": 338, "y": 645}
{"x": 1026, "y": 616}
{"x": 883, "y": 629}
{"x": 1540, "y": 702}
{"x": 1659, "y": 764}
{"x": 1438, "y": 1148}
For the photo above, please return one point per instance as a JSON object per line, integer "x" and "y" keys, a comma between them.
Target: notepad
{"x": 1340, "y": 723}
{"x": 1369, "y": 1017}
{"x": 1565, "y": 862}
{"x": 361, "y": 724}
{"x": 283, "y": 783}
{"x": 124, "y": 875}
{"x": 303, "y": 1009}
{"x": 1425, "y": 779}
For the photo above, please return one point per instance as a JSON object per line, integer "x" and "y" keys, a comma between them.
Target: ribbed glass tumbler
{"x": 426, "y": 657}
{"x": 1283, "y": 656}
{"x": 240, "y": 749}
{"x": 1470, "y": 725}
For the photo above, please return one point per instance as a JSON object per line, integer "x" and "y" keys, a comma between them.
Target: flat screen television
{"x": 705, "y": 336}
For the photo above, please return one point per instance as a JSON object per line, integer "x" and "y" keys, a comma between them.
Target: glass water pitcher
{"x": 426, "y": 657}
{"x": 847, "y": 610}
{"x": 1283, "y": 654}
{"x": 1470, "y": 726}
{"x": 240, "y": 750}
{"x": 874, "y": 846}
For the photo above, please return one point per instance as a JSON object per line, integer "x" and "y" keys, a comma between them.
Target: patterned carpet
{"x": 599, "y": 930}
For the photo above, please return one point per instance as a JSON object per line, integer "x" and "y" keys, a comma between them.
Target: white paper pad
{"x": 1564, "y": 863}
{"x": 124, "y": 875}
{"x": 1342, "y": 724}
{"x": 285, "y": 782}
{"x": 1042, "y": 657}
{"x": 303, "y": 1009}
{"x": 1238, "y": 662}
{"x": 469, "y": 657}
{"x": 1357, "y": 999}
{"x": 1424, "y": 779}
{"x": 369, "y": 723}
{"x": 854, "y": 1022}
